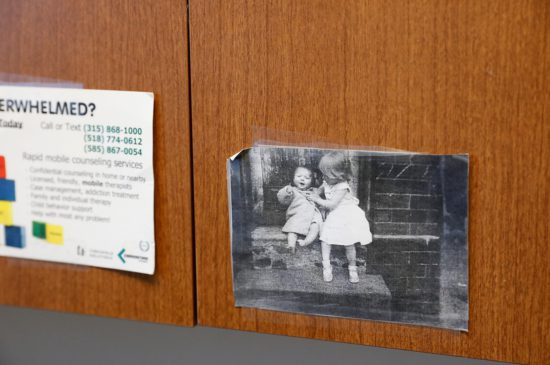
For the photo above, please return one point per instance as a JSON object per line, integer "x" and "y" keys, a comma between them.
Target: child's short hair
{"x": 305, "y": 168}
{"x": 336, "y": 166}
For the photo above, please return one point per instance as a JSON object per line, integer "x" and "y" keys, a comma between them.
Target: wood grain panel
{"x": 432, "y": 76}
{"x": 118, "y": 45}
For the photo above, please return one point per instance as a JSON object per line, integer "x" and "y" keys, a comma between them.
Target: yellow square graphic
{"x": 6, "y": 216}
{"x": 54, "y": 234}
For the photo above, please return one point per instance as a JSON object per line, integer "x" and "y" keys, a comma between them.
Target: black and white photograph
{"x": 351, "y": 233}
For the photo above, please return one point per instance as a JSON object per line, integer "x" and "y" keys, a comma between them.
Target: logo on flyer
{"x": 80, "y": 251}
{"x": 144, "y": 246}
{"x": 121, "y": 255}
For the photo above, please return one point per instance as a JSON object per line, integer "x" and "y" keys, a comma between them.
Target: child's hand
{"x": 313, "y": 197}
{"x": 289, "y": 190}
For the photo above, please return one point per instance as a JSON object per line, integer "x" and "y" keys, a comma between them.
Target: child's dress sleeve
{"x": 284, "y": 196}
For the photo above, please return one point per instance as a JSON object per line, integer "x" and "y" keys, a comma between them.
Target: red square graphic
{"x": 2, "y": 167}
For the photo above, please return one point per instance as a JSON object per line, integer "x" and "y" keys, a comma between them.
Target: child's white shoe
{"x": 353, "y": 276}
{"x": 327, "y": 271}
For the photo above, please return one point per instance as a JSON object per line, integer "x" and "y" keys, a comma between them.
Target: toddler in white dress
{"x": 345, "y": 224}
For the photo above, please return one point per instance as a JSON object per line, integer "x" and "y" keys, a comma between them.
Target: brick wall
{"x": 405, "y": 196}
{"x": 405, "y": 210}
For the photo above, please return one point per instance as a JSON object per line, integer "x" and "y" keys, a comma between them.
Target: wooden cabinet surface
{"x": 426, "y": 76}
{"x": 114, "y": 45}
{"x": 437, "y": 77}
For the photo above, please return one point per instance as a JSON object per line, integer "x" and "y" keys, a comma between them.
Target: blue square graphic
{"x": 15, "y": 236}
{"x": 7, "y": 190}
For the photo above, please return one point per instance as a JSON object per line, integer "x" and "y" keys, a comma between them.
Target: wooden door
{"x": 115, "y": 45}
{"x": 426, "y": 76}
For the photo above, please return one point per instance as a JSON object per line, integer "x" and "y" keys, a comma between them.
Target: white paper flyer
{"x": 76, "y": 177}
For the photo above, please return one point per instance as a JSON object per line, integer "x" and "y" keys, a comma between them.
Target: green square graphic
{"x": 39, "y": 229}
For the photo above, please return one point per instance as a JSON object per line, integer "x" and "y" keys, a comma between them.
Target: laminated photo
{"x": 349, "y": 233}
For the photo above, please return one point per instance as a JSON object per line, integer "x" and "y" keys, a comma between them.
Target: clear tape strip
{"x": 270, "y": 137}
{"x": 11, "y": 79}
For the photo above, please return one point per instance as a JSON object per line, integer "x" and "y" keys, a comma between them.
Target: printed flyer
{"x": 76, "y": 177}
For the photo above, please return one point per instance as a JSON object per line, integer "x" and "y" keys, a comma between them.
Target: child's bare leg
{"x": 325, "y": 251}
{"x": 351, "y": 255}
{"x": 292, "y": 237}
{"x": 311, "y": 235}
{"x": 327, "y": 268}
{"x": 352, "y": 266}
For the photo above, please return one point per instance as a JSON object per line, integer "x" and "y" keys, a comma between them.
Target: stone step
{"x": 281, "y": 280}
{"x": 306, "y": 281}
{"x": 268, "y": 233}
{"x": 270, "y": 250}
{"x": 274, "y": 233}
{"x": 303, "y": 290}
